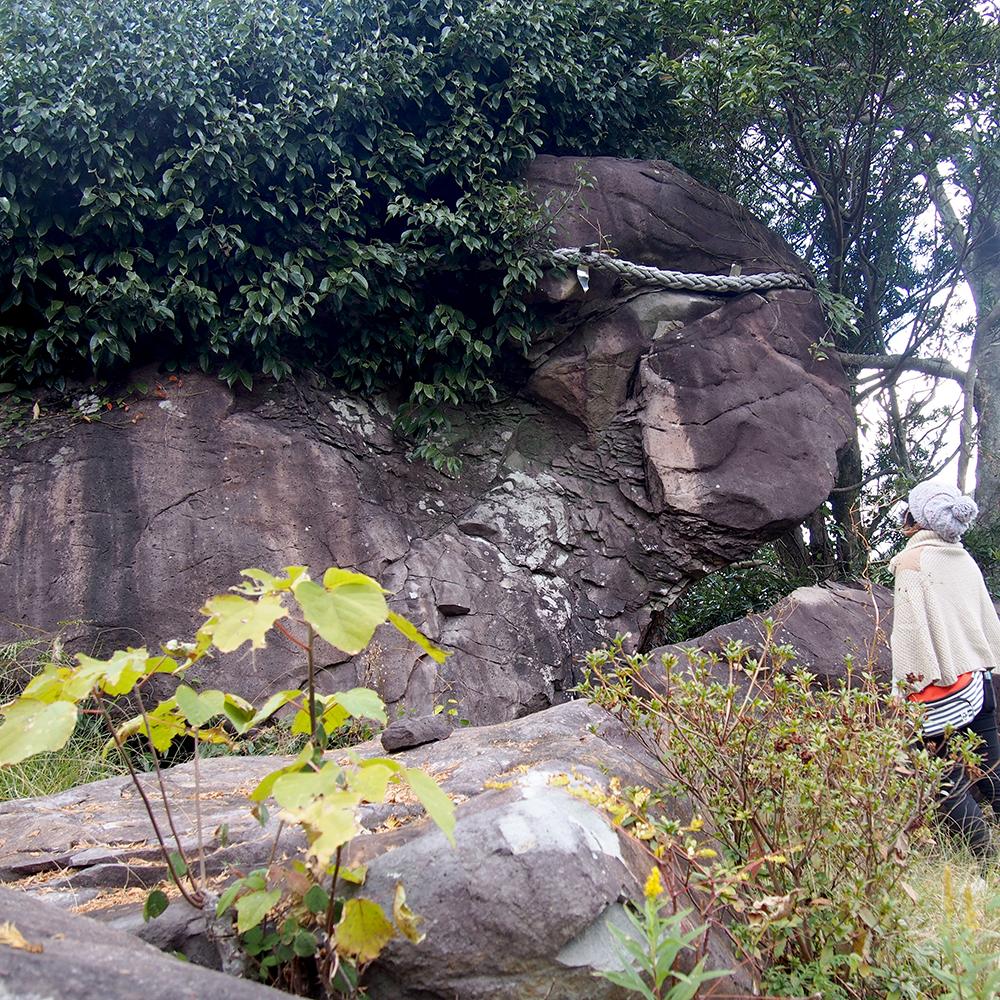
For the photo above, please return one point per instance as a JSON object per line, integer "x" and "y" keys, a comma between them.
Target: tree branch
{"x": 937, "y": 367}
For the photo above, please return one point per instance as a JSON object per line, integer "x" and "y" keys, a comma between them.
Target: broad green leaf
{"x": 253, "y": 907}
{"x": 361, "y": 703}
{"x": 347, "y": 616}
{"x": 439, "y": 807}
{"x": 116, "y": 675}
{"x": 263, "y": 789}
{"x": 228, "y": 897}
{"x": 329, "y": 822}
{"x": 363, "y": 931}
{"x": 356, "y": 876}
{"x": 305, "y": 944}
{"x": 178, "y": 864}
{"x": 49, "y": 685}
{"x": 276, "y": 701}
{"x": 337, "y": 577}
{"x": 330, "y": 712}
{"x": 31, "y": 727}
{"x": 316, "y": 899}
{"x": 406, "y": 920}
{"x": 197, "y": 707}
{"x": 156, "y": 902}
{"x": 415, "y": 635}
{"x": 370, "y": 782}
{"x": 234, "y": 620}
{"x": 293, "y": 790}
{"x": 263, "y": 582}
{"x": 238, "y": 711}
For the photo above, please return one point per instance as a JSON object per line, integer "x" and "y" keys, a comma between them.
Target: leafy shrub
{"x": 292, "y": 926}
{"x": 261, "y": 184}
{"x": 812, "y": 797}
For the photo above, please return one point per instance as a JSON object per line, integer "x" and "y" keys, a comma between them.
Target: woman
{"x": 945, "y": 642}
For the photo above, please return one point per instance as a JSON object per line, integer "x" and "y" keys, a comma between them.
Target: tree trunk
{"x": 988, "y": 414}
{"x": 846, "y": 503}
{"x": 984, "y": 278}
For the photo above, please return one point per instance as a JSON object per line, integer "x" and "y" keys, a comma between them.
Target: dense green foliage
{"x": 257, "y": 185}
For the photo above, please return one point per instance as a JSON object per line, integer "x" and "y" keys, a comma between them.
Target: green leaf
{"x": 228, "y": 897}
{"x": 316, "y": 899}
{"x": 363, "y": 931}
{"x": 361, "y": 703}
{"x": 329, "y": 822}
{"x": 199, "y": 708}
{"x": 293, "y": 790}
{"x": 346, "y": 616}
{"x": 31, "y": 727}
{"x": 439, "y": 807}
{"x": 253, "y": 907}
{"x": 238, "y": 711}
{"x": 263, "y": 789}
{"x": 371, "y": 782}
{"x": 415, "y": 635}
{"x": 276, "y": 701}
{"x": 178, "y": 864}
{"x": 305, "y": 944}
{"x": 156, "y": 902}
{"x": 234, "y": 620}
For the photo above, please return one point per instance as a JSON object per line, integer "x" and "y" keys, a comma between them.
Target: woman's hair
{"x": 908, "y": 519}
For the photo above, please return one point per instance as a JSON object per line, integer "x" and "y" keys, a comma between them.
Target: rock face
{"x": 76, "y": 958}
{"x": 658, "y": 436}
{"x": 826, "y": 625}
{"x": 520, "y": 909}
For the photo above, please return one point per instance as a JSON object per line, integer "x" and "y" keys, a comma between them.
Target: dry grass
{"x": 77, "y": 763}
{"x": 948, "y": 886}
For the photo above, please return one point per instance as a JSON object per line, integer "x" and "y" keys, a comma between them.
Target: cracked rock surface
{"x": 520, "y": 909}
{"x": 656, "y": 436}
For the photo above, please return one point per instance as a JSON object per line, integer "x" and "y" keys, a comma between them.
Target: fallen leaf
{"x": 13, "y": 938}
{"x": 36, "y": 411}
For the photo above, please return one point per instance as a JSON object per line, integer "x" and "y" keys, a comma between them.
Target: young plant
{"x": 650, "y": 953}
{"x": 293, "y": 924}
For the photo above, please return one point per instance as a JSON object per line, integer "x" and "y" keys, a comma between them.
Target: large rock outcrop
{"x": 832, "y": 627}
{"x": 659, "y": 435}
{"x": 520, "y": 909}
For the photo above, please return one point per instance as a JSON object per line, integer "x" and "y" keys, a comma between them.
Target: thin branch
{"x": 937, "y": 367}
{"x": 196, "y": 902}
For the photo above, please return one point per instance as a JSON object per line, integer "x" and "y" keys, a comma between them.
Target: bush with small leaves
{"x": 812, "y": 800}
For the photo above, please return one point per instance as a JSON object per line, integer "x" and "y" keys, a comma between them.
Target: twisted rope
{"x": 641, "y": 274}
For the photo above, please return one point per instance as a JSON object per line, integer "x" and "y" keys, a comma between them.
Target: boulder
{"x": 828, "y": 625}
{"x": 520, "y": 909}
{"x": 656, "y": 436}
{"x": 64, "y": 956}
{"x": 406, "y": 733}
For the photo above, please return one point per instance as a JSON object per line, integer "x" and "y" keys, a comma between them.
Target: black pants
{"x": 959, "y": 809}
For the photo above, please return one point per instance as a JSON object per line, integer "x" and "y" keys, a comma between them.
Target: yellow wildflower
{"x": 654, "y": 885}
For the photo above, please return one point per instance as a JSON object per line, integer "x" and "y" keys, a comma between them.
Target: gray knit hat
{"x": 942, "y": 508}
